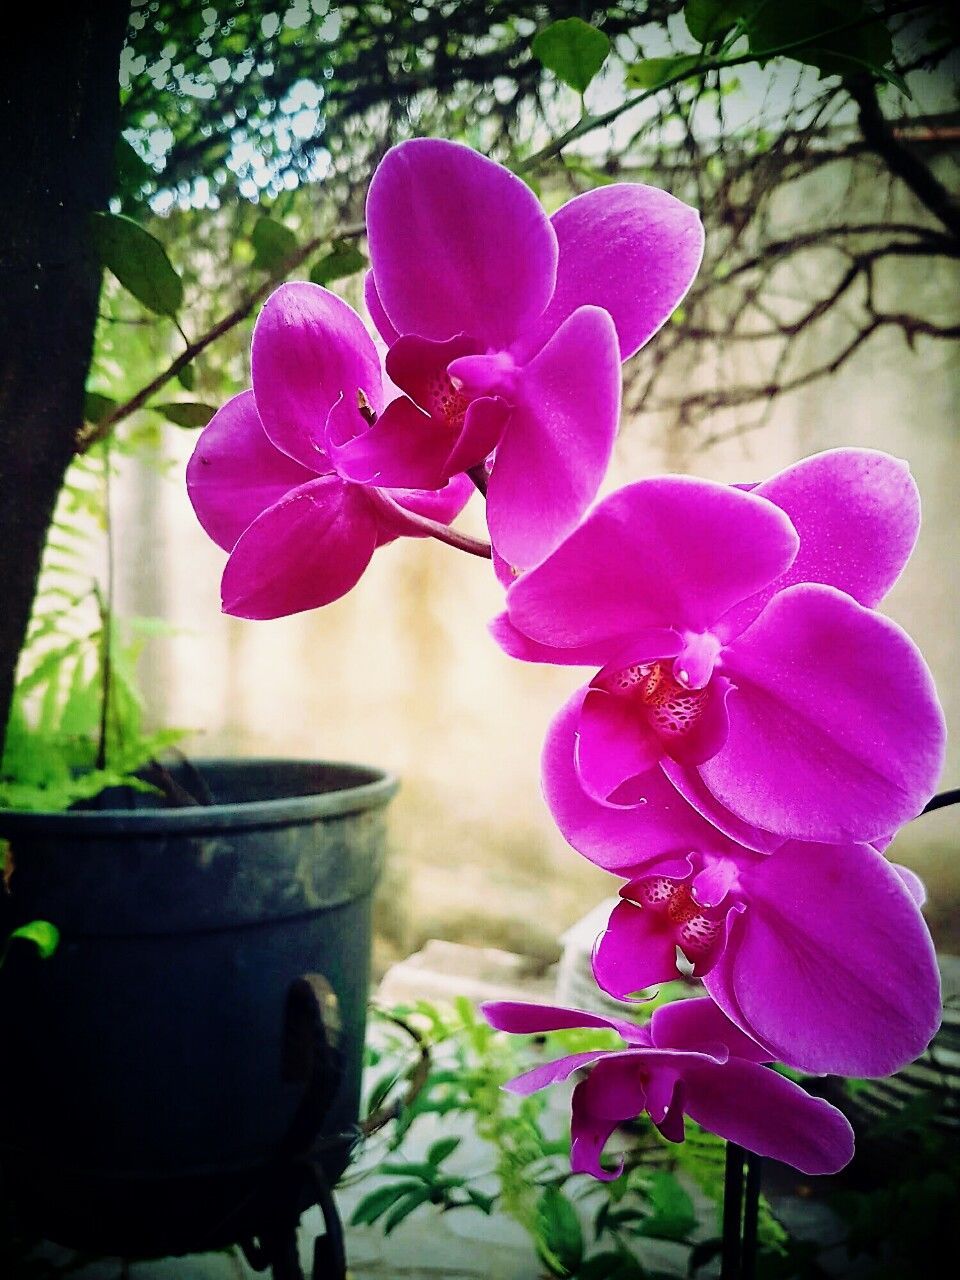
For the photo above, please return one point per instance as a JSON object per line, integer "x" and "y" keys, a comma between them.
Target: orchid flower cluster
{"x": 755, "y": 732}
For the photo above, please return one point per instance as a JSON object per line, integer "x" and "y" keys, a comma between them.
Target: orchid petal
{"x": 667, "y": 552}
{"x": 695, "y": 1024}
{"x": 690, "y": 785}
{"x": 857, "y": 988}
{"x": 516, "y": 645}
{"x": 623, "y": 840}
{"x": 376, "y": 312}
{"x": 442, "y": 505}
{"x": 763, "y": 1112}
{"x": 634, "y": 952}
{"x": 614, "y": 744}
{"x": 835, "y": 730}
{"x": 633, "y": 250}
{"x": 533, "y": 1019}
{"x": 614, "y": 1091}
{"x": 558, "y": 441}
{"x": 405, "y": 448}
{"x": 309, "y": 350}
{"x": 235, "y": 473}
{"x": 555, "y": 1072}
{"x": 307, "y": 550}
{"x": 857, "y": 512}
{"x": 458, "y": 244}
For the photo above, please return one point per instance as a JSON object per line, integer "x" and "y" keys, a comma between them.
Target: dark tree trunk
{"x": 59, "y": 119}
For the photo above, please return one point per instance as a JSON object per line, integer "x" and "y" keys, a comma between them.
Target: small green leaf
{"x": 441, "y": 1149}
{"x": 272, "y": 244}
{"x": 131, "y": 169}
{"x": 672, "y": 1216}
{"x": 559, "y": 1238}
{"x": 573, "y": 50}
{"x": 183, "y": 413}
{"x": 96, "y": 407}
{"x": 344, "y": 259}
{"x": 710, "y": 20}
{"x": 139, "y": 261}
{"x": 44, "y": 935}
{"x": 187, "y": 377}
{"x": 374, "y": 1205}
{"x": 412, "y": 1200}
{"x": 651, "y": 73}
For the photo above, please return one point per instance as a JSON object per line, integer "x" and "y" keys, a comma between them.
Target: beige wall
{"x": 402, "y": 673}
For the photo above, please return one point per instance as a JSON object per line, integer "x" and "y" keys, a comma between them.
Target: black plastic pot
{"x": 147, "y": 1091}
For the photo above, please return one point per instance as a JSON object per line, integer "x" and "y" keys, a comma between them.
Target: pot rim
{"x": 374, "y": 791}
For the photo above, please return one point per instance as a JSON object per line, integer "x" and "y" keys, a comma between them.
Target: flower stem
{"x": 432, "y": 528}
{"x": 478, "y": 475}
{"x": 943, "y": 799}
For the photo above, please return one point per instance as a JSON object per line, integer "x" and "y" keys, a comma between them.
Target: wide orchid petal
{"x": 857, "y": 512}
{"x": 516, "y": 645}
{"x": 634, "y": 952}
{"x": 666, "y": 552}
{"x": 614, "y": 744}
{"x": 458, "y": 244}
{"x": 307, "y": 550}
{"x": 697, "y": 1024}
{"x": 831, "y": 964}
{"x": 310, "y": 350}
{"x": 835, "y": 730}
{"x": 517, "y": 1017}
{"x": 555, "y": 1072}
{"x": 376, "y": 312}
{"x": 235, "y": 472}
{"x": 558, "y": 440}
{"x": 633, "y": 250}
{"x": 660, "y": 823}
{"x": 766, "y": 1113}
{"x": 691, "y": 786}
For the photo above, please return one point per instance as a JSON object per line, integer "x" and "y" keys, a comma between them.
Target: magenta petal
{"x": 857, "y": 513}
{"x": 552, "y": 1072}
{"x": 614, "y": 1091}
{"x": 690, "y": 785}
{"x": 835, "y": 730}
{"x": 634, "y": 952}
{"x": 831, "y": 964}
{"x": 633, "y": 250}
{"x": 915, "y": 886}
{"x": 557, "y": 443}
{"x": 458, "y": 244}
{"x": 768, "y": 1114}
{"x": 533, "y": 1019}
{"x": 483, "y": 425}
{"x": 516, "y": 645}
{"x": 309, "y": 350}
{"x": 442, "y": 505}
{"x": 618, "y": 839}
{"x": 375, "y": 309}
{"x": 667, "y": 552}
{"x": 697, "y": 1025}
{"x": 235, "y": 472}
{"x": 403, "y": 449}
{"x": 614, "y": 744}
{"x": 308, "y": 549}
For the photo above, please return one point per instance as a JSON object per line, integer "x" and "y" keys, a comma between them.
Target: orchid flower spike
{"x": 740, "y": 656}
{"x": 263, "y": 478}
{"x": 689, "y": 1060}
{"x": 507, "y": 329}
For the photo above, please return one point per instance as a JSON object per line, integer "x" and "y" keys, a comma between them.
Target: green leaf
{"x": 651, "y": 73}
{"x": 441, "y": 1149}
{"x": 187, "y": 377}
{"x": 132, "y": 171}
{"x": 412, "y": 1200}
{"x": 673, "y": 1216}
{"x": 710, "y": 20}
{"x": 573, "y": 50}
{"x": 343, "y": 259}
{"x": 374, "y": 1205}
{"x": 862, "y": 42}
{"x": 44, "y": 936}
{"x": 139, "y": 261}
{"x": 480, "y": 1201}
{"x": 272, "y": 244}
{"x": 96, "y": 407}
{"x": 559, "y": 1239}
{"x": 184, "y": 413}
{"x": 609, "y": 1266}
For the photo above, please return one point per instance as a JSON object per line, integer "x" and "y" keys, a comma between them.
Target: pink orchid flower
{"x": 819, "y": 952}
{"x": 689, "y": 1060}
{"x": 739, "y": 651}
{"x": 507, "y": 329}
{"x": 263, "y": 478}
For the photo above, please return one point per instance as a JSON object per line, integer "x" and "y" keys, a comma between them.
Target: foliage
{"x": 44, "y": 936}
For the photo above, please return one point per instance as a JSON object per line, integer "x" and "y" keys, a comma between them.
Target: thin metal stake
{"x": 732, "y": 1213}
{"x": 751, "y": 1213}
